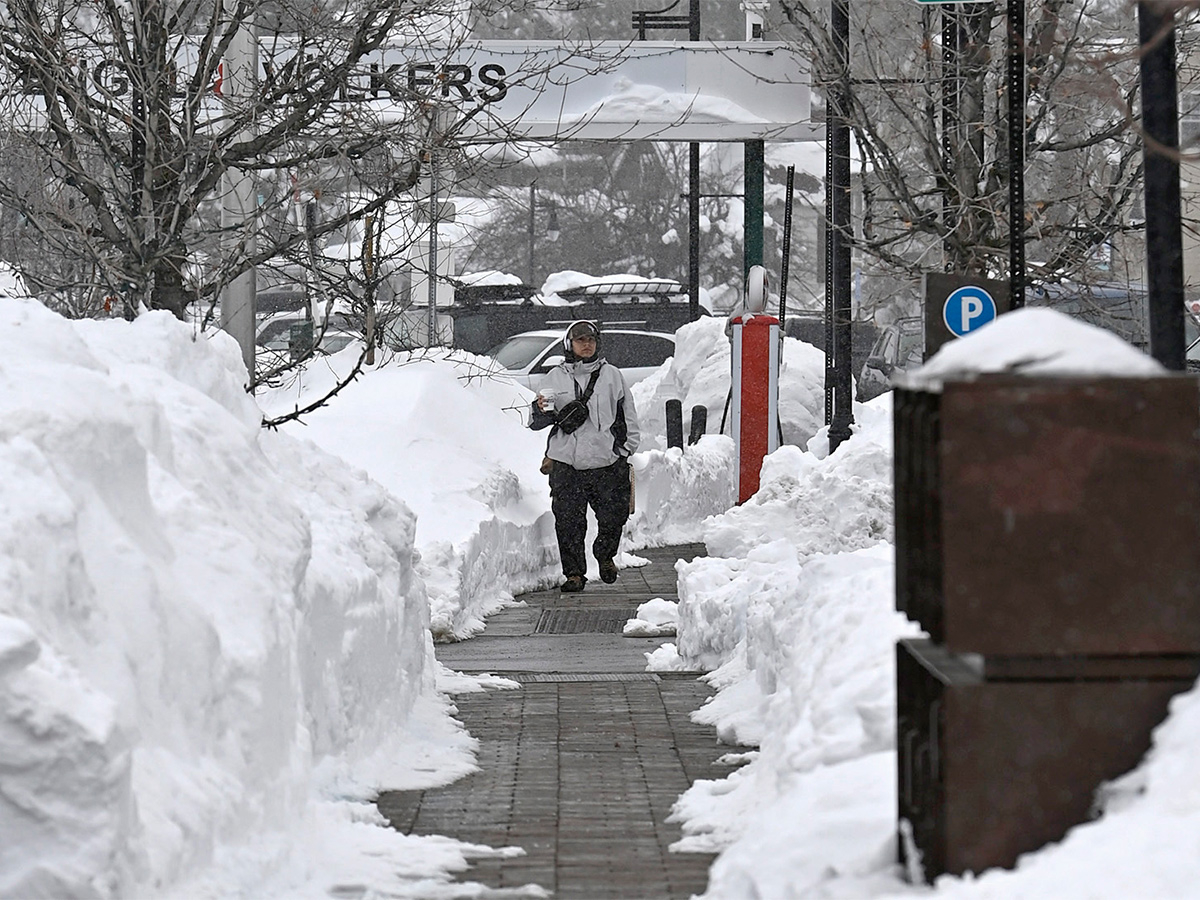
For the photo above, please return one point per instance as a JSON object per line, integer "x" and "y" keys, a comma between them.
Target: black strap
{"x": 591, "y": 385}
{"x": 585, "y": 397}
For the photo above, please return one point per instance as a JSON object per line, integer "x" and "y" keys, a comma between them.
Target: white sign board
{"x": 612, "y": 90}
{"x": 497, "y": 91}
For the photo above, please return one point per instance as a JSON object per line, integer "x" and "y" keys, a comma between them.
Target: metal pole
{"x": 1164, "y": 242}
{"x": 693, "y": 231}
{"x": 1016, "y": 153}
{"x": 787, "y": 247}
{"x": 827, "y": 261}
{"x": 693, "y": 192}
{"x": 951, "y": 44}
{"x": 753, "y": 205}
{"x": 839, "y": 236}
{"x": 433, "y": 200}
{"x": 238, "y": 204}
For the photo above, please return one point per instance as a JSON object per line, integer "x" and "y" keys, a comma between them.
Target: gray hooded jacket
{"x": 601, "y": 440}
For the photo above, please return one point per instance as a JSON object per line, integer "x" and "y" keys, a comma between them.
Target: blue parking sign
{"x": 967, "y": 309}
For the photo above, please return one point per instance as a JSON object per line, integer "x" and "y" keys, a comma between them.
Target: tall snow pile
{"x": 440, "y": 429}
{"x": 678, "y": 489}
{"x": 793, "y": 615}
{"x": 199, "y": 622}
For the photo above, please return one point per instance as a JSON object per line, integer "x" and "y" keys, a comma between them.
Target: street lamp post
{"x": 552, "y": 232}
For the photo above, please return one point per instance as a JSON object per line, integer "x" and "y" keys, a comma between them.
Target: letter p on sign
{"x": 968, "y": 309}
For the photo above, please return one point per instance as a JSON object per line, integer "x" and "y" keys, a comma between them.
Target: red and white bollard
{"x": 755, "y": 386}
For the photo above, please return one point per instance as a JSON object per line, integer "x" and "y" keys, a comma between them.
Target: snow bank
{"x": 440, "y": 429}
{"x": 843, "y": 502}
{"x": 792, "y": 613}
{"x": 436, "y": 428}
{"x": 797, "y": 619}
{"x": 196, "y": 629}
{"x": 678, "y": 489}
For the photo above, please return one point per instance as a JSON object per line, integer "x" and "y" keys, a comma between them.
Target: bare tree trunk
{"x": 169, "y": 292}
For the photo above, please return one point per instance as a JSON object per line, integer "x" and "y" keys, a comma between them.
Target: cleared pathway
{"x": 580, "y": 766}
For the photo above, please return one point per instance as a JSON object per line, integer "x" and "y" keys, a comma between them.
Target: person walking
{"x": 594, "y": 431}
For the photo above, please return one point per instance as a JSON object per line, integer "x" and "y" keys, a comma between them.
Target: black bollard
{"x": 674, "y": 423}
{"x": 699, "y": 423}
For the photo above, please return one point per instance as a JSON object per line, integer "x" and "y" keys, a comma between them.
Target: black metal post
{"x": 787, "y": 247}
{"x": 137, "y": 169}
{"x": 754, "y": 153}
{"x": 1016, "y": 153}
{"x": 839, "y": 233}
{"x": 1164, "y": 241}
{"x": 827, "y": 262}
{"x": 951, "y": 45}
{"x": 694, "y": 192}
{"x": 699, "y": 424}
{"x": 674, "y": 422}
{"x": 693, "y": 231}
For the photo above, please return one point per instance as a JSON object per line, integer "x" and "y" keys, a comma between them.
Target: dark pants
{"x": 571, "y": 492}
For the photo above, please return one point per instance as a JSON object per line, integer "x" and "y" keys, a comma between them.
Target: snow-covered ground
{"x": 216, "y": 641}
{"x": 795, "y": 619}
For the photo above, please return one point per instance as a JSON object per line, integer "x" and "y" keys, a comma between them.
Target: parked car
{"x": 528, "y": 356}
{"x": 283, "y": 333}
{"x": 899, "y": 346}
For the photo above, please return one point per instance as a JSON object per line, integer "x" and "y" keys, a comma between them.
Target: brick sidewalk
{"x": 580, "y": 766}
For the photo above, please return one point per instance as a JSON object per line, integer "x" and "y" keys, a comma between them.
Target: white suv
{"x": 528, "y": 356}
